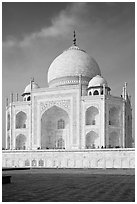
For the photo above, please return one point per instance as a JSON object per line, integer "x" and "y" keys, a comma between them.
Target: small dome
{"x": 28, "y": 87}
{"x": 97, "y": 81}
{"x": 67, "y": 67}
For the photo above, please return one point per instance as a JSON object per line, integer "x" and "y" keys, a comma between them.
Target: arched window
{"x": 96, "y": 93}
{"x": 92, "y": 116}
{"x": 21, "y": 142}
{"x": 21, "y": 118}
{"x": 90, "y": 93}
{"x": 8, "y": 122}
{"x": 28, "y": 99}
{"x": 61, "y": 124}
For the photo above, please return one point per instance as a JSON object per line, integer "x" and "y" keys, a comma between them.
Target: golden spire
{"x": 74, "y": 39}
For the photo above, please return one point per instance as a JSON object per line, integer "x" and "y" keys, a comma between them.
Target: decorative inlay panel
{"x": 64, "y": 104}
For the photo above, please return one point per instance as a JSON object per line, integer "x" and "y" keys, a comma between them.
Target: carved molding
{"x": 64, "y": 104}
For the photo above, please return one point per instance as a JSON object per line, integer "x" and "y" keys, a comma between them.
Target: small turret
{"x": 98, "y": 86}
{"x": 27, "y": 92}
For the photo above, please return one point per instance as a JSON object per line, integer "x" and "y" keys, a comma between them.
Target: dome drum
{"x": 70, "y": 80}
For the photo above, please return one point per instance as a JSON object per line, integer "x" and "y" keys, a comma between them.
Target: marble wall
{"x": 93, "y": 158}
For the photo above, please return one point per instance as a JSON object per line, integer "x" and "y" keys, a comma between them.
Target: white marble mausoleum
{"x": 75, "y": 114}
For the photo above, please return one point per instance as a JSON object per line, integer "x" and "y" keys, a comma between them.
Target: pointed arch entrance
{"x": 54, "y": 128}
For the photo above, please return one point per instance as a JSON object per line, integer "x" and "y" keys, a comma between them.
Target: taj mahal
{"x": 75, "y": 122}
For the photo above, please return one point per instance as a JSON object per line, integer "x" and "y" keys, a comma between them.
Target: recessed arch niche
{"x": 21, "y": 118}
{"x": 114, "y": 116}
{"x": 92, "y": 116}
{"x": 91, "y": 140}
{"x": 114, "y": 139}
{"x": 21, "y": 142}
{"x": 54, "y": 128}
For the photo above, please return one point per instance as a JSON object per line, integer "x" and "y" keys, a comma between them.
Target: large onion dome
{"x": 67, "y": 67}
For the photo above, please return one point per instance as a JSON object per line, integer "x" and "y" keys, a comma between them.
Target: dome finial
{"x": 32, "y": 79}
{"x": 74, "y": 39}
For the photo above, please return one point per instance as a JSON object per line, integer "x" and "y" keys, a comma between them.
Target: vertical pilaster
{"x": 6, "y": 128}
{"x": 80, "y": 115}
{"x": 39, "y": 126}
{"x": 83, "y": 125}
{"x": 11, "y": 120}
{"x": 29, "y": 126}
{"x": 104, "y": 114}
{"x": 106, "y": 123}
{"x": 31, "y": 137}
{"x": 124, "y": 125}
{"x": 13, "y": 127}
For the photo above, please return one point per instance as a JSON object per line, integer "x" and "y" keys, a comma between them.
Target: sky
{"x": 34, "y": 34}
